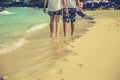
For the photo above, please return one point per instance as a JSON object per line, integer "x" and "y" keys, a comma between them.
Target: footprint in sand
{"x": 75, "y": 53}
{"x": 65, "y": 60}
{"x": 78, "y": 65}
{"x": 73, "y": 41}
{"x": 59, "y": 72}
{"x": 72, "y": 46}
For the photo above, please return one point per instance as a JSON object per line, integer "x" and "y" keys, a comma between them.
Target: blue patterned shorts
{"x": 52, "y": 13}
{"x": 71, "y": 17}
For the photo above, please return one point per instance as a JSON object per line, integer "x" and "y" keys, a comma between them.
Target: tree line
{"x": 22, "y": 3}
{"x": 33, "y": 3}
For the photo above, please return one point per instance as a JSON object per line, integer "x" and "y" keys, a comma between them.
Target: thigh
{"x": 51, "y": 18}
{"x": 65, "y": 16}
{"x": 51, "y": 13}
{"x": 72, "y": 15}
{"x": 57, "y": 18}
{"x": 59, "y": 12}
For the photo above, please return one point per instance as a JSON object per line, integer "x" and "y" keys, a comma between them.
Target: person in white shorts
{"x": 54, "y": 10}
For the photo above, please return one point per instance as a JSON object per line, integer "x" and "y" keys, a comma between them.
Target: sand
{"x": 92, "y": 55}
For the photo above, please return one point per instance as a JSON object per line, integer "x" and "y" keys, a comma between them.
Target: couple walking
{"x": 56, "y": 8}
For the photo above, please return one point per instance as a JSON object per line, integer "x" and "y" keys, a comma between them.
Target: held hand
{"x": 66, "y": 10}
{"x": 80, "y": 9}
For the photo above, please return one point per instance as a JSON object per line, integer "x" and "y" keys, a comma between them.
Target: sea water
{"x": 15, "y": 25}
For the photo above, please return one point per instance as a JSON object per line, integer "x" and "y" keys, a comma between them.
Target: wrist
{"x": 44, "y": 6}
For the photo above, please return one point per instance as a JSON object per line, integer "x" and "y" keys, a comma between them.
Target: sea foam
{"x": 4, "y": 12}
{"x": 12, "y": 46}
{"x": 7, "y": 48}
{"x": 37, "y": 27}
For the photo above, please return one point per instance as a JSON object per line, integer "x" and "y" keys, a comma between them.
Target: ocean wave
{"x": 4, "y": 12}
{"x": 10, "y": 46}
{"x": 37, "y": 27}
{"x": 13, "y": 46}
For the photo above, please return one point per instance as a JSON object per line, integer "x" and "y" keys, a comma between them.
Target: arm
{"x": 64, "y": 3}
{"x": 45, "y": 3}
{"x": 65, "y": 6}
{"x": 78, "y": 5}
{"x": 78, "y": 2}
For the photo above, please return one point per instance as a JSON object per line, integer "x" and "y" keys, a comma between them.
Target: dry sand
{"x": 92, "y": 55}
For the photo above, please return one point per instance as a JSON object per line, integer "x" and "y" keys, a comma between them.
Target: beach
{"x": 92, "y": 55}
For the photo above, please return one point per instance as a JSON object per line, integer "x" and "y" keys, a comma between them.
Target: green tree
{"x": 36, "y": 3}
{"x": 2, "y": 2}
{"x": 5, "y": 2}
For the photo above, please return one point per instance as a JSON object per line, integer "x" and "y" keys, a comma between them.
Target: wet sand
{"x": 92, "y": 55}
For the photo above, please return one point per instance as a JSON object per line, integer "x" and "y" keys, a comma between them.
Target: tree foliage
{"x": 39, "y": 3}
{"x": 36, "y": 3}
{"x": 2, "y": 2}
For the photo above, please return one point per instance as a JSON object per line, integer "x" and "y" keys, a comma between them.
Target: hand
{"x": 80, "y": 9}
{"x": 66, "y": 10}
{"x": 44, "y": 9}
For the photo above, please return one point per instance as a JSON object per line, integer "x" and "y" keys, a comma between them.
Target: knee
{"x": 52, "y": 21}
{"x": 57, "y": 21}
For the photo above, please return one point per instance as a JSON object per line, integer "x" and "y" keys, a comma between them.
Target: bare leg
{"x": 65, "y": 27}
{"x": 57, "y": 19}
{"x": 72, "y": 28}
{"x": 52, "y": 25}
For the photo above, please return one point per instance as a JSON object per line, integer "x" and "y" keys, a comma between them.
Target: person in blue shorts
{"x": 70, "y": 16}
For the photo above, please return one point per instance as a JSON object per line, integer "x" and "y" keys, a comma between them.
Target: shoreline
{"x": 18, "y": 42}
{"x": 93, "y": 54}
{"x": 47, "y": 51}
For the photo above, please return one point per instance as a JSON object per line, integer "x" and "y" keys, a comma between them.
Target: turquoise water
{"x": 15, "y": 24}
{"x": 20, "y": 20}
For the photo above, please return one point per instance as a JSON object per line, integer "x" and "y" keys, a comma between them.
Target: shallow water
{"x": 15, "y": 25}
{"x": 40, "y": 53}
